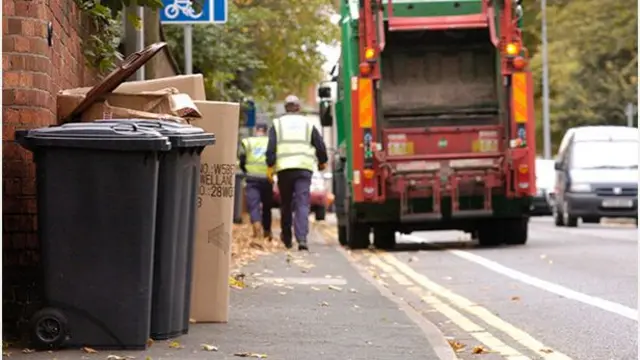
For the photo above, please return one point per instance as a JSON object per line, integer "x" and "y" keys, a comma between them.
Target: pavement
{"x": 296, "y": 305}
{"x": 570, "y": 293}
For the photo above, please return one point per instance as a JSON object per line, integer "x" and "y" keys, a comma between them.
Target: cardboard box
{"x": 165, "y": 104}
{"x": 214, "y": 221}
{"x": 192, "y": 85}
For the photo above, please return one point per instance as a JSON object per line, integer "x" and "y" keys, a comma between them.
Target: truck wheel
{"x": 384, "y": 237}
{"x": 321, "y": 213}
{"x": 517, "y": 231}
{"x": 342, "y": 235}
{"x": 358, "y": 235}
{"x": 490, "y": 235}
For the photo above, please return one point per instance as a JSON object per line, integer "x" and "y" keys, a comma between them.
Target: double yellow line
{"x": 453, "y": 306}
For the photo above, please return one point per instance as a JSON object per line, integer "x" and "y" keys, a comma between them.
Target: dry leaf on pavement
{"x": 336, "y": 288}
{"x": 546, "y": 350}
{"x": 175, "y": 345}
{"x": 208, "y": 347}
{"x": 192, "y": 321}
{"x": 117, "y": 357}
{"x": 235, "y": 283}
{"x": 352, "y": 290}
{"x": 479, "y": 349}
{"x": 149, "y": 342}
{"x": 456, "y": 345}
{"x": 324, "y": 303}
{"x": 515, "y": 298}
{"x": 315, "y": 288}
{"x": 251, "y": 355}
{"x": 89, "y": 350}
{"x": 27, "y": 351}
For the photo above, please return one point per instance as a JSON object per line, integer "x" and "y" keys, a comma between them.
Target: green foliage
{"x": 101, "y": 46}
{"x": 592, "y": 52}
{"x": 266, "y": 50}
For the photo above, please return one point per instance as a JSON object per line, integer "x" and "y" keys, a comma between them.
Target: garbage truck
{"x": 434, "y": 118}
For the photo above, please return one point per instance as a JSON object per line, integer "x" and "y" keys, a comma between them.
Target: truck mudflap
{"x": 445, "y": 162}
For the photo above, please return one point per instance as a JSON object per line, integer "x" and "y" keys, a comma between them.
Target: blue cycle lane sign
{"x": 183, "y": 12}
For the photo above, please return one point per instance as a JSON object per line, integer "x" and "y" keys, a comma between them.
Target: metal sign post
{"x": 182, "y": 12}
{"x": 631, "y": 110}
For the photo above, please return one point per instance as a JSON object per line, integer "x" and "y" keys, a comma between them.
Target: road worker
{"x": 258, "y": 189}
{"x": 294, "y": 145}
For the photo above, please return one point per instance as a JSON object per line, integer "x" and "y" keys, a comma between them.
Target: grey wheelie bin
{"x": 97, "y": 189}
{"x": 175, "y": 226}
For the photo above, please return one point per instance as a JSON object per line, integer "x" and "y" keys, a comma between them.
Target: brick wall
{"x": 32, "y": 72}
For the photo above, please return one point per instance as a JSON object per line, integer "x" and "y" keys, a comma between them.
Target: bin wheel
{"x": 48, "y": 328}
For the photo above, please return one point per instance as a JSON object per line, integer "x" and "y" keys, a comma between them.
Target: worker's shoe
{"x": 302, "y": 245}
{"x": 268, "y": 236}
{"x": 287, "y": 242}
{"x": 257, "y": 229}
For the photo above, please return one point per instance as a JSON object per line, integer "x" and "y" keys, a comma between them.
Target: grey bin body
{"x": 178, "y": 187}
{"x": 97, "y": 188}
{"x": 237, "y": 201}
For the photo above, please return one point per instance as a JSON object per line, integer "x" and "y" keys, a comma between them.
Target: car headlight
{"x": 577, "y": 187}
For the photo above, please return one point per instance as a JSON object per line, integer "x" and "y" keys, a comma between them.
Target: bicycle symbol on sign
{"x": 181, "y": 6}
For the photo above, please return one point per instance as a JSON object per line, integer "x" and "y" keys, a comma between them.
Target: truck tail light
{"x": 365, "y": 69}
{"x": 512, "y": 49}
{"x": 519, "y": 63}
{"x": 365, "y": 102}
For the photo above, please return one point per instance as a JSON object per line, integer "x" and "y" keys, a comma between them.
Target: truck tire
{"x": 342, "y": 235}
{"x": 517, "y": 231}
{"x": 321, "y": 213}
{"x": 490, "y": 235}
{"x": 384, "y": 237}
{"x": 358, "y": 235}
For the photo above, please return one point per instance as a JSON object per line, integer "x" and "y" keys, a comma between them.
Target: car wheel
{"x": 568, "y": 219}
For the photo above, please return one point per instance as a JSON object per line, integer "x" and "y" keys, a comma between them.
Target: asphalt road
{"x": 567, "y": 294}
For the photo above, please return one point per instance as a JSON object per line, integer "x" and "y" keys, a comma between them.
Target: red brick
{"x": 21, "y": 44}
{"x": 10, "y": 116}
{"x": 10, "y": 79}
{"x": 8, "y": 8}
{"x": 14, "y": 26}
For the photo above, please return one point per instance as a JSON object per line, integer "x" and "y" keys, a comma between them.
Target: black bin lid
{"x": 91, "y": 135}
{"x": 180, "y": 135}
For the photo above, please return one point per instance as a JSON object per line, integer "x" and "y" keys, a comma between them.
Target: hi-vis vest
{"x": 294, "y": 150}
{"x": 255, "y": 150}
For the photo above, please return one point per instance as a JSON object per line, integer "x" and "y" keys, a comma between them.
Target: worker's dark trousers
{"x": 259, "y": 191}
{"x": 294, "y": 197}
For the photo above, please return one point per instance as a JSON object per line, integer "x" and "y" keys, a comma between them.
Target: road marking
{"x": 399, "y": 278}
{"x": 303, "y": 281}
{"x": 468, "y": 326}
{"x": 560, "y": 290}
{"x": 480, "y": 312}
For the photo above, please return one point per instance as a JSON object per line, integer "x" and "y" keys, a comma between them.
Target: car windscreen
{"x": 604, "y": 155}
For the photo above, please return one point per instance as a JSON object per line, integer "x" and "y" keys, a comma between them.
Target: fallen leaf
{"x": 192, "y": 321}
{"x": 89, "y": 350}
{"x": 175, "y": 345}
{"x": 251, "y": 355}
{"x": 328, "y": 276}
{"x": 315, "y": 288}
{"x": 149, "y": 342}
{"x": 117, "y": 357}
{"x": 356, "y": 306}
{"x": 515, "y": 298}
{"x": 546, "y": 350}
{"x": 282, "y": 292}
{"x": 413, "y": 259}
{"x": 27, "y": 351}
{"x": 208, "y": 347}
{"x": 336, "y": 288}
{"x": 352, "y": 290}
{"x": 324, "y": 303}
{"x": 6, "y": 354}
{"x": 147, "y": 358}
{"x": 479, "y": 349}
{"x": 456, "y": 345}
{"x": 543, "y": 256}
{"x": 289, "y": 287}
